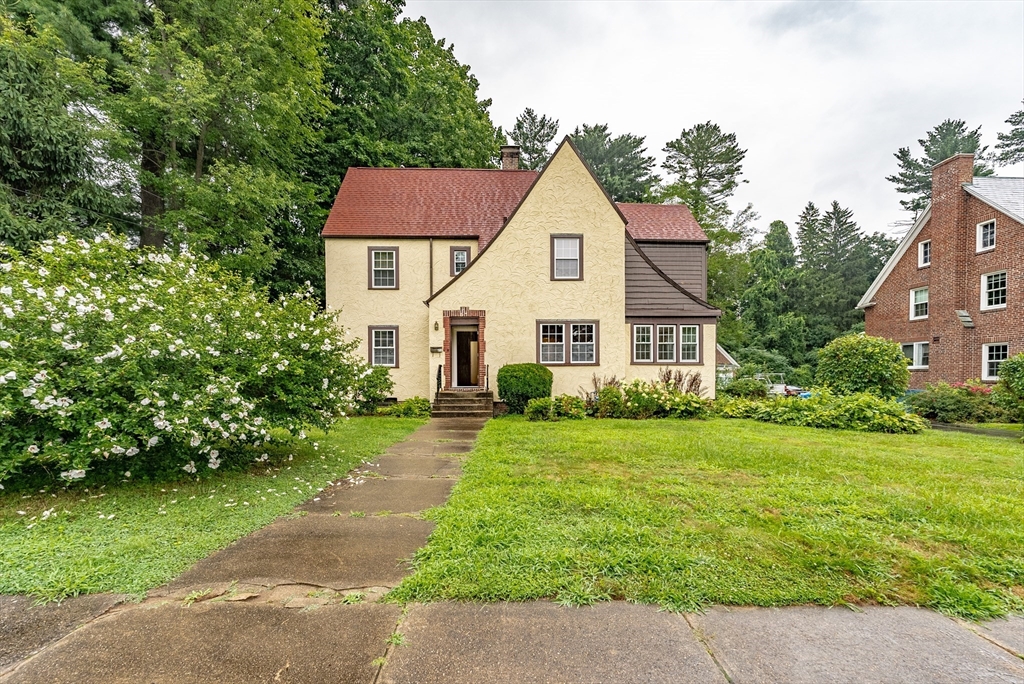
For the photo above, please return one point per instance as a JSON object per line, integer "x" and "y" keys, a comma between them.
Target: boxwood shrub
{"x": 862, "y": 363}
{"x": 520, "y": 382}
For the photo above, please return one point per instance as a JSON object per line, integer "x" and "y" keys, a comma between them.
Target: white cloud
{"x": 820, "y": 93}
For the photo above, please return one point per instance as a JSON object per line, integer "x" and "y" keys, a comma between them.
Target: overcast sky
{"x": 820, "y": 93}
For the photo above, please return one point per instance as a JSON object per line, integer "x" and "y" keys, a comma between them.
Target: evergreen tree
{"x": 809, "y": 236}
{"x": 534, "y": 134}
{"x": 707, "y": 164}
{"x": 618, "y": 162}
{"x": 942, "y": 142}
{"x": 1011, "y": 145}
{"x": 780, "y": 242}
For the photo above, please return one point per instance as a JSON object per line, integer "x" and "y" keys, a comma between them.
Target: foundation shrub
{"x": 417, "y": 407}
{"x": 518, "y": 383}
{"x": 863, "y": 411}
{"x": 540, "y": 408}
{"x": 609, "y": 402}
{"x": 861, "y": 363}
{"x": 970, "y": 402}
{"x": 1009, "y": 393}
{"x": 371, "y": 388}
{"x": 643, "y": 400}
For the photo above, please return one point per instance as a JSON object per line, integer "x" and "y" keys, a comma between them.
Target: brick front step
{"x": 460, "y": 413}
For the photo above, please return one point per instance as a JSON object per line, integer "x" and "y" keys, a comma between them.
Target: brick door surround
{"x": 464, "y": 316}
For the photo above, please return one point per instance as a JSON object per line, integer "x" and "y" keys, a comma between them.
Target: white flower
{"x": 131, "y": 451}
{"x": 145, "y": 401}
{"x": 103, "y": 424}
{"x": 190, "y": 467}
{"x": 29, "y": 391}
{"x": 154, "y": 352}
{"x": 154, "y": 328}
{"x": 60, "y": 291}
{"x": 6, "y": 267}
{"x": 6, "y": 290}
{"x": 73, "y": 474}
{"x": 43, "y": 272}
{"x": 128, "y": 473}
{"x": 57, "y": 327}
{"x": 33, "y": 449}
{"x": 4, "y": 344}
{"x": 153, "y": 441}
{"x": 108, "y": 315}
{"x": 214, "y": 453}
{"x": 9, "y": 312}
{"x": 214, "y": 463}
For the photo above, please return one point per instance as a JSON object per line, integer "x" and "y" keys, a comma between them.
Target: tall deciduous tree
{"x": 707, "y": 164}
{"x": 950, "y": 137}
{"x": 534, "y": 134}
{"x": 1010, "y": 148}
{"x": 619, "y": 162}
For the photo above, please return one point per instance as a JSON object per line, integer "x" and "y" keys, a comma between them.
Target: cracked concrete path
{"x": 296, "y": 602}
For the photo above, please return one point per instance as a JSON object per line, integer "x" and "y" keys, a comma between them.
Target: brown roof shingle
{"x": 465, "y": 203}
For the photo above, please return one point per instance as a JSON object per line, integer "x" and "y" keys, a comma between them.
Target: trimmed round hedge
{"x": 862, "y": 363}
{"x": 518, "y": 383}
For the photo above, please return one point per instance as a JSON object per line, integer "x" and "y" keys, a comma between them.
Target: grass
{"x": 690, "y": 513}
{"x": 129, "y": 537}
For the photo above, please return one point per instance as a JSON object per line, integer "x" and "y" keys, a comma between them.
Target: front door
{"x": 466, "y": 357}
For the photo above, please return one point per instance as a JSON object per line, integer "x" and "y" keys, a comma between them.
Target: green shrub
{"x": 609, "y": 402}
{"x": 748, "y": 388}
{"x": 862, "y": 411}
{"x": 417, "y": 407}
{"x": 150, "y": 361}
{"x": 520, "y": 382}
{"x": 372, "y": 387}
{"x": 540, "y": 408}
{"x": 861, "y": 363}
{"x": 643, "y": 400}
{"x": 569, "y": 407}
{"x": 958, "y": 403}
{"x": 1010, "y": 391}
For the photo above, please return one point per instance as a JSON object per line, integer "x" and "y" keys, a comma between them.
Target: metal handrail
{"x": 438, "y": 392}
{"x": 487, "y": 376}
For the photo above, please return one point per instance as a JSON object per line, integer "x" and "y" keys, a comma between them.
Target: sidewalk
{"x": 296, "y": 602}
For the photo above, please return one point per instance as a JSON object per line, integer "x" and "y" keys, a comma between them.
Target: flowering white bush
{"x": 110, "y": 353}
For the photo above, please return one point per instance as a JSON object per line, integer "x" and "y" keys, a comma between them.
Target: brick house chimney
{"x": 952, "y": 247}
{"x": 510, "y": 157}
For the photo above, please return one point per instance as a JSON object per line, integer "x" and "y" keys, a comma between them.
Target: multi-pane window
{"x": 384, "y": 266}
{"x": 583, "y": 343}
{"x": 566, "y": 258}
{"x": 992, "y": 356}
{"x": 552, "y": 343}
{"x": 986, "y": 235}
{"x": 919, "y": 303}
{"x": 667, "y": 343}
{"x": 993, "y": 290}
{"x": 687, "y": 343}
{"x": 385, "y": 347}
{"x": 917, "y": 353}
{"x": 460, "y": 259}
{"x": 924, "y": 253}
{"x": 642, "y": 345}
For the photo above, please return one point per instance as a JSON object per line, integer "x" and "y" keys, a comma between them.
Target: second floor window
{"x": 993, "y": 290}
{"x": 986, "y": 235}
{"x": 919, "y": 303}
{"x": 460, "y": 259}
{"x": 384, "y": 268}
{"x": 567, "y": 257}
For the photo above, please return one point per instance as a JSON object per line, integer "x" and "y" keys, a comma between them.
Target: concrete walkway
{"x": 296, "y": 602}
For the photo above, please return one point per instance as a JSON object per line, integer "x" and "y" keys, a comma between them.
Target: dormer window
{"x": 383, "y": 268}
{"x": 986, "y": 236}
{"x": 567, "y": 257}
{"x": 924, "y": 253}
{"x": 460, "y": 259}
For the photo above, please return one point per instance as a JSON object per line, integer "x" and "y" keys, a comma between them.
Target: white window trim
{"x": 552, "y": 344}
{"x": 650, "y": 330}
{"x": 393, "y": 269}
{"x": 592, "y": 344}
{"x": 696, "y": 343}
{"x": 984, "y": 359}
{"x": 984, "y": 293}
{"x": 912, "y": 316}
{"x": 921, "y": 263}
{"x": 915, "y": 363}
{"x": 374, "y": 347}
{"x": 978, "y": 249}
{"x": 657, "y": 342}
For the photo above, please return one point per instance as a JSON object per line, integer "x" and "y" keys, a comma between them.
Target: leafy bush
{"x": 417, "y": 407}
{"x": 862, "y": 411}
{"x": 115, "y": 355}
{"x": 570, "y": 407}
{"x": 748, "y": 388}
{"x": 608, "y": 403}
{"x": 756, "y": 360}
{"x": 540, "y": 408}
{"x": 645, "y": 400}
{"x": 520, "y": 382}
{"x": 970, "y": 402}
{"x": 371, "y": 388}
{"x": 861, "y": 363}
{"x": 1009, "y": 393}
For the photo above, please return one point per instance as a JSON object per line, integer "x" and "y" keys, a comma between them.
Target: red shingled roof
{"x": 413, "y": 202}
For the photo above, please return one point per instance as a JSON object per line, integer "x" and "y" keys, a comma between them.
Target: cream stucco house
{"x": 446, "y": 275}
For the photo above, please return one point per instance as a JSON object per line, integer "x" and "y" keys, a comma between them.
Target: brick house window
{"x": 924, "y": 253}
{"x": 986, "y": 236}
{"x": 992, "y": 356}
{"x": 993, "y": 290}
{"x": 567, "y": 257}
{"x": 919, "y": 304}
{"x": 383, "y": 268}
{"x": 667, "y": 343}
{"x": 384, "y": 346}
{"x": 581, "y": 337}
{"x": 918, "y": 354}
{"x": 642, "y": 344}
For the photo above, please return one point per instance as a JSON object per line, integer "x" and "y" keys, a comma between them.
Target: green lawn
{"x": 690, "y": 513}
{"x": 131, "y": 537}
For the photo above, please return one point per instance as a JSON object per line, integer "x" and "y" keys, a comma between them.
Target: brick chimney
{"x": 510, "y": 157}
{"x": 952, "y": 245}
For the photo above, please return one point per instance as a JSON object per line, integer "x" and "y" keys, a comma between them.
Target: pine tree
{"x": 1011, "y": 145}
{"x": 708, "y": 164}
{"x": 619, "y": 162}
{"x": 779, "y": 241}
{"x": 533, "y": 134}
{"x": 809, "y": 237}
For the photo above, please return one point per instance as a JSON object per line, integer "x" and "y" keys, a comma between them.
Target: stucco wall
{"x": 511, "y": 279}
{"x": 706, "y": 369}
{"x": 347, "y": 290}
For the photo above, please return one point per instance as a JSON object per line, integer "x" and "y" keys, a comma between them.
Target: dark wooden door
{"x": 464, "y": 358}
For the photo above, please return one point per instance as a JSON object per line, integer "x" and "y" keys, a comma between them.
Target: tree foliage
{"x": 707, "y": 163}
{"x": 861, "y": 363}
{"x": 950, "y": 137}
{"x": 1010, "y": 148}
{"x": 534, "y": 134}
{"x": 619, "y": 162}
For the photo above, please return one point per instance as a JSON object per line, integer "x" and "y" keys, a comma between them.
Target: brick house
{"x": 953, "y": 291}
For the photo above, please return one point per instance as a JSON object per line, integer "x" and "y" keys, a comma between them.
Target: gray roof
{"x": 1005, "y": 193}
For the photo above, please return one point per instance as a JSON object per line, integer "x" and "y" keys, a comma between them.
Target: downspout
{"x": 431, "y": 267}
